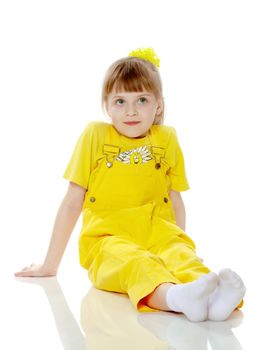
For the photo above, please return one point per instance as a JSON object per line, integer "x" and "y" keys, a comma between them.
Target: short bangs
{"x": 131, "y": 74}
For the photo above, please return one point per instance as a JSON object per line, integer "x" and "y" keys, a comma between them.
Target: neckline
{"x": 130, "y": 140}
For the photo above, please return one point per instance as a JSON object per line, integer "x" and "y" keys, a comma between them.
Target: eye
{"x": 142, "y": 100}
{"x": 119, "y": 101}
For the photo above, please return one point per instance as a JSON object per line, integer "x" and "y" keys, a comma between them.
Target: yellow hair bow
{"x": 146, "y": 54}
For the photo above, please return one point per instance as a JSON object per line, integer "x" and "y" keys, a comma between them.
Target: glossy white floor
{"x": 67, "y": 313}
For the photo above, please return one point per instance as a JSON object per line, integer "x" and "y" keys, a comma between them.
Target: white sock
{"x": 227, "y": 295}
{"x": 192, "y": 298}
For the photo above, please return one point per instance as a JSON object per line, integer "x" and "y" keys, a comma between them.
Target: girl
{"x": 126, "y": 177}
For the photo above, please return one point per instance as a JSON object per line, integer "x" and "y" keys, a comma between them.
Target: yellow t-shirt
{"x": 88, "y": 150}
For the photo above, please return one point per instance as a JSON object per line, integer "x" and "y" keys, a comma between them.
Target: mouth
{"x": 131, "y": 123}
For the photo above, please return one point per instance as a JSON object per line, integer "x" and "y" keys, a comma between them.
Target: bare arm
{"x": 66, "y": 218}
{"x": 179, "y": 208}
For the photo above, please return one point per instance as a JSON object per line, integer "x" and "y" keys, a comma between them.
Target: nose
{"x": 131, "y": 110}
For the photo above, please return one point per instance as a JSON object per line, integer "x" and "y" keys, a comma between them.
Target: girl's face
{"x": 133, "y": 113}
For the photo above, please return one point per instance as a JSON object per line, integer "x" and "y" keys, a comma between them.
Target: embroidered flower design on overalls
{"x": 135, "y": 156}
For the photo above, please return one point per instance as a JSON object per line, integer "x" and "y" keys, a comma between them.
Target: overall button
{"x": 157, "y": 166}
{"x": 92, "y": 199}
{"x": 165, "y": 199}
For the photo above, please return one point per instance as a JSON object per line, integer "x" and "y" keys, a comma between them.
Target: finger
{"x": 23, "y": 274}
{"x": 19, "y": 274}
{"x": 26, "y": 268}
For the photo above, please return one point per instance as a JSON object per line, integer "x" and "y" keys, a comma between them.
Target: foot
{"x": 227, "y": 296}
{"x": 192, "y": 298}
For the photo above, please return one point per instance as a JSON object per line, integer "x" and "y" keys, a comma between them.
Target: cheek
{"x": 147, "y": 108}
{"x": 151, "y": 110}
{"x": 116, "y": 110}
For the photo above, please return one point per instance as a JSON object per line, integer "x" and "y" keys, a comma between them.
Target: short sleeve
{"x": 177, "y": 173}
{"x": 80, "y": 165}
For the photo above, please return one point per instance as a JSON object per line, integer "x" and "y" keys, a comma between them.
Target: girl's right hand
{"x": 34, "y": 270}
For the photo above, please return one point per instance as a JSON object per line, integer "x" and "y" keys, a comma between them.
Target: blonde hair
{"x": 133, "y": 74}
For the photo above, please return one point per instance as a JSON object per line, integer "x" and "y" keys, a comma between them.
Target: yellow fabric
{"x": 89, "y": 148}
{"x": 129, "y": 240}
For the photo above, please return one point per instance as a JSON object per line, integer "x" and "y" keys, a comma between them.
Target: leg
{"x": 120, "y": 265}
{"x": 177, "y": 251}
{"x": 201, "y": 291}
{"x": 157, "y": 299}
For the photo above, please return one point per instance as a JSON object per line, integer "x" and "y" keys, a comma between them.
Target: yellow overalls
{"x": 129, "y": 241}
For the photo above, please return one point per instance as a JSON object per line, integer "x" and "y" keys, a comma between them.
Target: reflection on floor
{"x": 109, "y": 321}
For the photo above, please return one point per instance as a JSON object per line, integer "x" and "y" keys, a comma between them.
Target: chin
{"x": 132, "y": 133}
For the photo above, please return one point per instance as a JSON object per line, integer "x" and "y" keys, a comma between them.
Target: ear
{"x": 105, "y": 107}
{"x": 159, "y": 107}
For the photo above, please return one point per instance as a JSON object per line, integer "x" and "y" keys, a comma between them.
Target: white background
{"x": 220, "y": 73}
